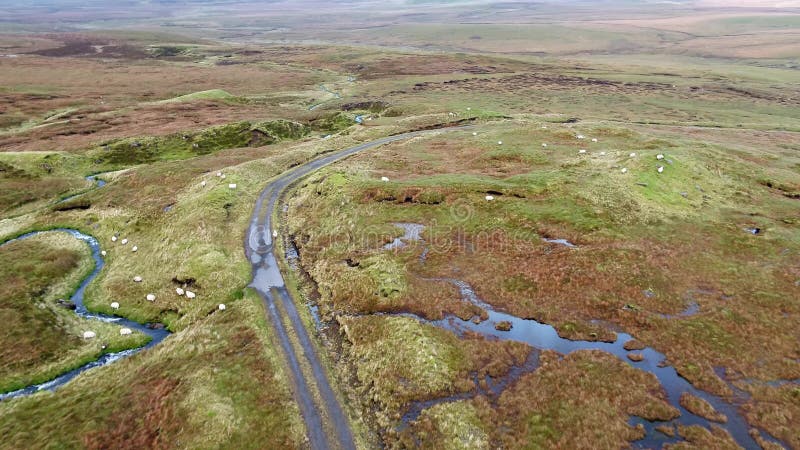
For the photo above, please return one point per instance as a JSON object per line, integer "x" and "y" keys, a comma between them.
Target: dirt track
{"x": 326, "y": 414}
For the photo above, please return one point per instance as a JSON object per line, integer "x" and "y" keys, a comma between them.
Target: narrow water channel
{"x": 156, "y": 335}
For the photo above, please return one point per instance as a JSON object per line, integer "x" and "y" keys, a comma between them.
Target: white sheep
{"x": 275, "y": 232}
{"x": 124, "y": 242}
{"x": 544, "y": 145}
{"x": 544, "y": 127}
{"x": 222, "y": 177}
{"x": 104, "y": 253}
{"x": 203, "y": 183}
{"x": 469, "y": 109}
{"x": 113, "y": 239}
{"x": 660, "y": 169}
{"x": 179, "y": 291}
{"x": 581, "y": 151}
{"x": 384, "y": 179}
{"x": 602, "y": 153}
{"x": 125, "y": 331}
{"x": 151, "y": 297}
{"x": 135, "y": 249}
{"x": 89, "y": 334}
{"x": 137, "y": 279}
{"x": 580, "y": 136}
{"x": 219, "y": 174}
{"x": 232, "y": 186}
{"x": 594, "y": 139}
{"x": 190, "y": 294}
{"x": 222, "y": 307}
{"x": 474, "y": 133}
{"x": 624, "y": 170}
{"x": 659, "y": 156}
{"x": 115, "y": 305}
{"x": 489, "y": 197}
{"x": 632, "y": 155}
{"x": 499, "y": 142}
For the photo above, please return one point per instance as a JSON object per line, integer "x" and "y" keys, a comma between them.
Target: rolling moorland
{"x": 589, "y": 239}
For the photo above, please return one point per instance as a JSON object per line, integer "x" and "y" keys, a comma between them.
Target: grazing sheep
{"x": 660, "y": 169}
{"x": 124, "y": 242}
{"x": 499, "y": 142}
{"x": 581, "y": 151}
{"x": 115, "y": 305}
{"x": 232, "y": 186}
{"x": 125, "y": 331}
{"x": 594, "y": 139}
{"x": 544, "y": 127}
{"x": 179, "y": 291}
{"x": 151, "y": 297}
{"x": 602, "y": 153}
{"x": 222, "y": 307}
{"x": 190, "y": 294}
{"x": 580, "y": 136}
{"x": 219, "y": 174}
{"x": 104, "y": 253}
{"x": 89, "y": 334}
{"x": 137, "y": 279}
{"x": 203, "y": 183}
{"x": 469, "y": 109}
{"x": 659, "y": 156}
{"x": 135, "y": 249}
{"x": 624, "y": 170}
{"x": 544, "y": 145}
{"x": 275, "y": 232}
{"x": 632, "y": 155}
{"x": 474, "y": 133}
{"x": 489, "y": 197}
{"x": 113, "y": 239}
{"x": 384, "y": 179}
{"x": 222, "y": 177}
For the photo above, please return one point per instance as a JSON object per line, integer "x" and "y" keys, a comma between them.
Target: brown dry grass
{"x": 777, "y": 410}
{"x": 149, "y": 419}
{"x": 582, "y": 400}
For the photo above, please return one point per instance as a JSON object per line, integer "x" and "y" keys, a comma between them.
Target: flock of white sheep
{"x": 624, "y": 170}
{"x": 659, "y": 169}
{"x": 138, "y": 279}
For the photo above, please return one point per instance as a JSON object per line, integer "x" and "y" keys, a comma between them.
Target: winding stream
{"x": 156, "y": 335}
{"x": 545, "y": 337}
{"x": 96, "y": 182}
{"x": 541, "y": 336}
{"x": 326, "y": 90}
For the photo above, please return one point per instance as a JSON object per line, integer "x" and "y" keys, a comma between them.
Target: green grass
{"x": 204, "y": 387}
{"x": 218, "y": 380}
{"x": 637, "y": 232}
{"x": 43, "y": 340}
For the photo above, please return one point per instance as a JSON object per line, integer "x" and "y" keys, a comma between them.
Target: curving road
{"x": 282, "y": 312}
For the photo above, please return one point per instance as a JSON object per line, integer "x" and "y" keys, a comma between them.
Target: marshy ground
{"x": 424, "y": 260}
